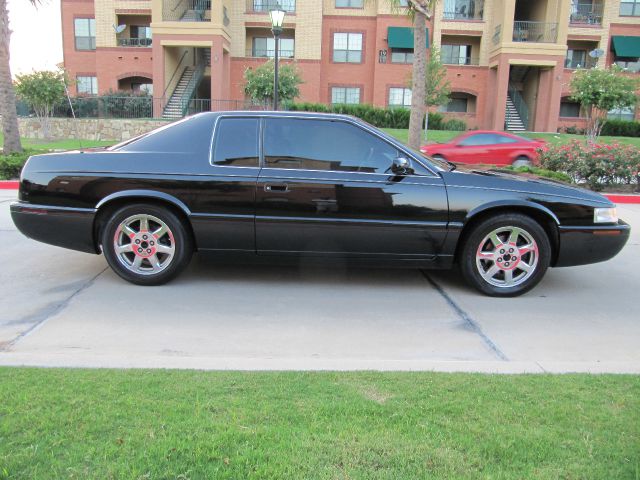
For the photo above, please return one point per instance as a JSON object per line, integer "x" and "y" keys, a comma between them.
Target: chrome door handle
{"x": 282, "y": 188}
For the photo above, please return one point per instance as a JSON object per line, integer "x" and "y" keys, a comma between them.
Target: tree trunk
{"x": 418, "y": 79}
{"x": 7, "y": 94}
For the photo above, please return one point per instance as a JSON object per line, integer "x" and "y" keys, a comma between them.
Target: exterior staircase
{"x": 191, "y": 16}
{"x": 513, "y": 120}
{"x": 174, "y": 108}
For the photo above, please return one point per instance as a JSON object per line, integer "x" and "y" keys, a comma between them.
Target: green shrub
{"x": 621, "y": 128}
{"x": 394, "y": 117}
{"x": 572, "y": 130}
{"x": 595, "y": 165}
{"x": 455, "y": 125}
{"x": 11, "y": 165}
{"x": 541, "y": 172}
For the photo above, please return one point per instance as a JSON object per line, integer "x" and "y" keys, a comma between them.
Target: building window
{"x": 569, "y": 109}
{"x": 463, "y": 9}
{"x": 576, "y": 59}
{"x": 456, "y": 54}
{"x": 85, "y": 33}
{"x": 402, "y": 55}
{"x": 399, "y": 97}
{"x": 621, "y": 114}
{"x": 630, "y": 8}
{"x": 349, "y": 3}
{"x": 632, "y": 66}
{"x": 350, "y": 95}
{"x": 87, "y": 85}
{"x": 456, "y": 104}
{"x": 142, "y": 88}
{"x": 266, "y": 47}
{"x": 347, "y": 47}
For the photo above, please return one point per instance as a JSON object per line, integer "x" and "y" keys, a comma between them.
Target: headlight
{"x": 605, "y": 215}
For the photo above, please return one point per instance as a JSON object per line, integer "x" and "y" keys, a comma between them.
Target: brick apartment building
{"x": 509, "y": 61}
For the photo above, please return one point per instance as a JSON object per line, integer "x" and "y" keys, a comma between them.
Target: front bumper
{"x": 60, "y": 226}
{"x": 585, "y": 245}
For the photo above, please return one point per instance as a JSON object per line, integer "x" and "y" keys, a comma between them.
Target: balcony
{"x": 134, "y": 42}
{"x": 259, "y": 53}
{"x": 264, "y": 6}
{"x": 535, "y": 32}
{"x": 463, "y": 10}
{"x": 185, "y": 10}
{"x": 577, "y": 63}
{"x": 586, "y": 13}
{"x": 460, "y": 61}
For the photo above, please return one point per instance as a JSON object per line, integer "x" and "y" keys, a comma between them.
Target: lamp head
{"x": 277, "y": 20}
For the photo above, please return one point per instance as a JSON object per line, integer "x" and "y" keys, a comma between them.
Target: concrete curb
{"x": 124, "y": 361}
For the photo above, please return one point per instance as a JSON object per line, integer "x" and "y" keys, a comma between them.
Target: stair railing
{"x": 175, "y": 72}
{"x": 192, "y": 86}
{"x": 520, "y": 104}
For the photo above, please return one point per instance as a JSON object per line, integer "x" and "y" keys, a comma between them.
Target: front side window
{"x": 236, "y": 142}
{"x": 266, "y": 47}
{"x": 480, "y": 139}
{"x": 349, "y": 95}
{"x": 325, "y": 146}
{"x": 399, "y": 97}
{"x": 630, "y": 8}
{"x": 349, "y": 3}
{"x": 456, "y": 54}
{"x": 347, "y": 47}
{"x": 402, "y": 55}
{"x": 85, "y": 33}
{"x": 87, "y": 85}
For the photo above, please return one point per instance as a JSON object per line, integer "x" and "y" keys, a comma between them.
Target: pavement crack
{"x": 51, "y": 311}
{"x": 464, "y": 316}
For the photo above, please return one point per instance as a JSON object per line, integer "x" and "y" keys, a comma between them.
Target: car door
{"x": 224, "y": 213}
{"x": 476, "y": 148}
{"x": 326, "y": 188}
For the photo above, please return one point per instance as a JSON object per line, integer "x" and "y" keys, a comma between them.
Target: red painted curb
{"x": 623, "y": 198}
{"x": 9, "y": 185}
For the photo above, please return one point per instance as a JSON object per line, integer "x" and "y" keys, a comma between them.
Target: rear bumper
{"x": 60, "y": 226}
{"x": 585, "y": 245}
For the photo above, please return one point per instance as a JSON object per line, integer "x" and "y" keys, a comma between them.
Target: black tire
{"x": 522, "y": 161}
{"x": 477, "y": 246}
{"x": 176, "y": 239}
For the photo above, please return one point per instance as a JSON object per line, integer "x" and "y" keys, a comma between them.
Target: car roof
{"x": 273, "y": 113}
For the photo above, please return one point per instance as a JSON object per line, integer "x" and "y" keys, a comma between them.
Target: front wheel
{"x": 506, "y": 255}
{"x": 146, "y": 244}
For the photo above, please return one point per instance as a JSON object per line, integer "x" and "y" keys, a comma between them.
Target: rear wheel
{"x": 522, "y": 161}
{"x": 506, "y": 255}
{"x": 146, "y": 244}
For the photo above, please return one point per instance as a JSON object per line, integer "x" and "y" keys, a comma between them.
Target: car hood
{"x": 519, "y": 182}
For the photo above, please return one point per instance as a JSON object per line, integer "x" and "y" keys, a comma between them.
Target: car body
{"x": 487, "y": 147}
{"x": 307, "y": 186}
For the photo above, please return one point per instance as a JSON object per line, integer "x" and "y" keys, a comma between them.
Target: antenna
{"x": 597, "y": 53}
{"x": 119, "y": 28}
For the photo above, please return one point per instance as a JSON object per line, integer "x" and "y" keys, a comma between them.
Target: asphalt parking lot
{"x": 64, "y": 308}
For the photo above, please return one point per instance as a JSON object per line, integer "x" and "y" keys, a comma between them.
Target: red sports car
{"x": 487, "y": 147}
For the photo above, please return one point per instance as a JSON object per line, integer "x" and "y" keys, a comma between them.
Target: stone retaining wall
{"x": 89, "y": 128}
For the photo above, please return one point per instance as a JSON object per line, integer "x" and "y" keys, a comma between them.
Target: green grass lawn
{"x": 70, "y": 144}
{"x": 554, "y": 138}
{"x": 135, "y": 424}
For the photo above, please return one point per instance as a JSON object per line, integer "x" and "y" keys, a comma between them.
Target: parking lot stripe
{"x": 464, "y": 316}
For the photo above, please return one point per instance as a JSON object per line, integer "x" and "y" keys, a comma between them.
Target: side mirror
{"x": 402, "y": 166}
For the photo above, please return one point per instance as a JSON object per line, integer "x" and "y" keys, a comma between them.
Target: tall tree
{"x": 420, "y": 11}
{"x": 7, "y": 94}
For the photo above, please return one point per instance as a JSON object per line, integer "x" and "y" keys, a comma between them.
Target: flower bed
{"x": 597, "y": 166}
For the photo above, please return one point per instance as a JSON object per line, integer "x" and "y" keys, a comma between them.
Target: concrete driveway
{"x": 62, "y": 308}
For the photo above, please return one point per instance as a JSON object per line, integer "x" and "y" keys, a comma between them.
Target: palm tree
{"x": 7, "y": 94}
{"x": 420, "y": 11}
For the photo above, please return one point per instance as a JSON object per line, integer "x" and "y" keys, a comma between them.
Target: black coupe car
{"x": 294, "y": 185}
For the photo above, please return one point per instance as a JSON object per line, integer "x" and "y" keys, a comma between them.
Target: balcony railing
{"x": 463, "y": 10}
{"x": 134, "y": 42}
{"x": 587, "y": 13}
{"x": 264, "y": 6}
{"x": 185, "y": 10}
{"x": 535, "y": 32}
{"x": 460, "y": 61}
{"x": 576, "y": 64}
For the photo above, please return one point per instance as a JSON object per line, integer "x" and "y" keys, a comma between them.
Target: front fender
{"x": 502, "y": 204}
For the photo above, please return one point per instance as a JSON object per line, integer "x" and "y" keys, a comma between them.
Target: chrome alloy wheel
{"x": 507, "y": 257}
{"x": 144, "y": 244}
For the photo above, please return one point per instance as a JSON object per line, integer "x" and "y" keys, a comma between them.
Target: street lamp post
{"x": 277, "y": 20}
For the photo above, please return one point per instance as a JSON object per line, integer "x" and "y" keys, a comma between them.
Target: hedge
{"x": 11, "y": 165}
{"x": 621, "y": 128}
{"x": 397, "y": 117}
